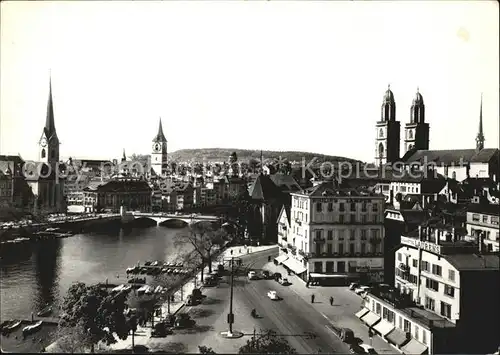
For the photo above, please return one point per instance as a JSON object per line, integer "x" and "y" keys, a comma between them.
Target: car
{"x": 252, "y": 275}
{"x": 353, "y": 286}
{"x": 362, "y": 289}
{"x": 347, "y": 335}
{"x": 273, "y": 295}
{"x": 364, "y": 349}
{"x": 277, "y": 276}
{"x": 284, "y": 281}
{"x": 266, "y": 274}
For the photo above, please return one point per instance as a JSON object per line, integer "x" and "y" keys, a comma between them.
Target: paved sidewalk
{"x": 342, "y": 314}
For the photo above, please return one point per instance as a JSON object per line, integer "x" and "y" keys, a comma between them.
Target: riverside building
{"x": 333, "y": 235}
{"x": 446, "y": 295}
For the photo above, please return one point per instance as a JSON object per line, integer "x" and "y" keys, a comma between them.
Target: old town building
{"x": 482, "y": 224}
{"x": 335, "y": 234}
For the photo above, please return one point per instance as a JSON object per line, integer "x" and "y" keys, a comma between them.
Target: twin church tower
{"x": 416, "y": 135}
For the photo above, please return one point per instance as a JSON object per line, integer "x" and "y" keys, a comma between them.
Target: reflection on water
{"x": 32, "y": 276}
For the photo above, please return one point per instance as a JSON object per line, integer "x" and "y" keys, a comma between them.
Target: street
{"x": 290, "y": 317}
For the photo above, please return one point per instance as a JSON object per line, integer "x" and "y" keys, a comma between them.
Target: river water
{"x": 34, "y": 275}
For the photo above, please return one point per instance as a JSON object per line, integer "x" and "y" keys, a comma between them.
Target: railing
{"x": 319, "y": 240}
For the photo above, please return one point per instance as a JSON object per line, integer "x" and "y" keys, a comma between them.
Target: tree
{"x": 233, "y": 158}
{"x": 206, "y": 350}
{"x": 267, "y": 342}
{"x": 205, "y": 240}
{"x": 96, "y": 312}
{"x": 72, "y": 340}
{"x": 168, "y": 282}
{"x": 253, "y": 165}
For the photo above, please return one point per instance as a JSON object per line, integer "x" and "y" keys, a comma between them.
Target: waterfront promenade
{"x": 143, "y": 334}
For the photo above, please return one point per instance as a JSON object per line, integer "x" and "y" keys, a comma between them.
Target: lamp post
{"x": 231, "y": 333}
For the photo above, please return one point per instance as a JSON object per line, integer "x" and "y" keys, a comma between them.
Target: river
{"x": 42, "y": 272}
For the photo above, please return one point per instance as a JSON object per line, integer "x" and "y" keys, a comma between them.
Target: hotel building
{"x": 446, "y": 296}
{"x": 332, "y": 233}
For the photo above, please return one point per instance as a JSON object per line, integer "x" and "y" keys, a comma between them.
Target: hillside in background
{"x": 222, "y": 154}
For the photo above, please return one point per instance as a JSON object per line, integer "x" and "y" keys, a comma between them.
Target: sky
{"x": 272, "y": 75}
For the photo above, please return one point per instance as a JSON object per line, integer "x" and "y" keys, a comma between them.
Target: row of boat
{"x": 156, "y": 271}
{"x": 49, "y": 233}
{"x": 11, "y": 325}
{"x": 148, "y": 290}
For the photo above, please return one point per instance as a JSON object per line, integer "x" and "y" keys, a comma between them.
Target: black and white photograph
{"x": 250, "y": 177}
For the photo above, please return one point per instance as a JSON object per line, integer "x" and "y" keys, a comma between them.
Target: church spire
{"x": 124, "y": 158}
{"x": 160, "y": 137}
{"x": 50, "y": 126}
{"x": 480, "y": 136}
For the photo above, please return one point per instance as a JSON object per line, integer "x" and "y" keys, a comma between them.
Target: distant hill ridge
{"x": 222, "y": 154}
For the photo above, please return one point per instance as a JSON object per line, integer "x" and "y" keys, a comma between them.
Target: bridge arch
{"x": 173, "y": 221}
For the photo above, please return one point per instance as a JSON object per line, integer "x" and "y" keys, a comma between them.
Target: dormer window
{"x": 43, "y": 153}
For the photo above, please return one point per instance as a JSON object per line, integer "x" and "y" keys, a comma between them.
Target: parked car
{"x": 362, "y": 289}
{"x": 277, "y": 276}
{"x": 363, "y": 349}
{"x": 192, "y": 301}
{"x": 209, "y": 281}
{"x": 266, "y": 274}
{"x": 183, "y": 321}
{"x": 161, "y": 330}
{"x": 284, "y": 281}
{"x": 353, "y": 286}
{"x": 347, "y": 335}
{"x": 273, "y": 295}
{"x": 252, "y": 275}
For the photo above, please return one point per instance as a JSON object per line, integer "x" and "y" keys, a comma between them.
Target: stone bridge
{"x": 163, "y": 217}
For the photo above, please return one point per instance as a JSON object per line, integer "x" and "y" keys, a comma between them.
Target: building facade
{"x": 336, "y": 233}
{"x": 387, "y": 149}
{"x": 482, "y": 224}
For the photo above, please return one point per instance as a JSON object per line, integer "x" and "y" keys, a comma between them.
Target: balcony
{"x": 319, "y": 240}
{"x": 404, "y": 268}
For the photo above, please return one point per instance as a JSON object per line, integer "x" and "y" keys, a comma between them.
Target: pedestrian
{"x": 312, "y": 298}
{"x": 331, "y": 300}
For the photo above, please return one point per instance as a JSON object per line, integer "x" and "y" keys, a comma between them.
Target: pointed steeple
{"x": 480, "y": 136}
{"x": 160, "y": 137}
{"x": 124, "y": 158}
{"x": 50, "y": 126}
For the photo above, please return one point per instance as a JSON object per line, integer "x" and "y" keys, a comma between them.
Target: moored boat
{"x": 13, "y": 325}
{"x": 45, "y": 312}
{"x": 32, "y": 328}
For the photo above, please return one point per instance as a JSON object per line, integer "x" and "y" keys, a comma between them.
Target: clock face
{"x": 43, "y": 142}
{"x": 157, "y": 147}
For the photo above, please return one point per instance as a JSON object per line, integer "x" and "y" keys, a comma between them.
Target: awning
{"x": 383, "y": 327}
{"x": 281, "y": 258}
{"x": 362, "y": 312}
{"x": 315, "y": 275}
{"x": 397, "y": 337}
{"x": 370, "y": 318}
{"x": 295, "y": 266}
{"x": 414, "y": 347}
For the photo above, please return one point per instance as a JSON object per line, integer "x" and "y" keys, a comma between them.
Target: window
{"x": 330, "y": 235}
{"x": 341, "y": 207}
{"x": 341, "y": 218}
{"x": 375, "y": 207}
{"x": 341, "y": 234}
{"x": 485, "y": 219}
{"x": 363, "y": 234}
{"x": 319, "y": 207}
{"x": 494, "y": 220}
{"x": 416, "y": 332}
{"x": 415, "y": 262}
{"x": 407, "y": 326}
{"x": 475, "y": 217}
{"x": 363, "y": 207}
{"x": 353, "y": 206}
{"x": 425, "y": 266}
{"x": 330, "y": 207}
{"x": 400, "y": 323}
{"x": 445, "y": 309}
{"x": 449, "y": 290}
{"x": 381, "y": 133}
{"x": 363, "y": 248}
{"x": 432, "y": 284}
{"x": 319, "y": 234}
{"x": 399, "y": 257}
{"x": 329, "y": 267}
{"x": 341, "y": 250}
{"x": 318, "y": 267}
{"x": 451, "y": 275}
{"x": 436, "y": 270}
{"x": 329, "y": 249}
{"x": 363, "y": 219}
{"x": 424, "y": 336}
{"x": 378, "y": 309}
{"x": 430, "y": 303}
{"x": 352, "y": 234}
{"x": 43, "y": 153}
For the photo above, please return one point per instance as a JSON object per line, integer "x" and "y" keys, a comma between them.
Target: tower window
{"x": 380, "y": 149}
{"x": 410, "y": 134}
{"x": 43, "y": 153}
{"x": 381, "y": 133}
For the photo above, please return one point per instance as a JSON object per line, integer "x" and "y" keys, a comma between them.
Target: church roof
{"x": 285, "y": 182}
{"x": 264, "y": 188}
{"x": 121, "y": 186}
{"x": 50, "y": 126}
{"x": 160, "y": 137}
{"x": 451, "y": 156}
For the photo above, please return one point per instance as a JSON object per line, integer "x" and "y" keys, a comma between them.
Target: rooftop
{"x": 452, "y": 156}
{"x": 490, "y": 209}
{"x": 330, "y": 189}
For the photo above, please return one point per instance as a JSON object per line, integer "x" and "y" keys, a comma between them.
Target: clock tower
{"x": 159, "y": 152}
{"x": 49, "y": 142}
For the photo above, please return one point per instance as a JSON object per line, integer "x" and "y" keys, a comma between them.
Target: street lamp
{"x": 231, "y": 333}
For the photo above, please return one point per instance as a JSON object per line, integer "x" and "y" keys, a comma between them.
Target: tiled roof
{"x": 123, "y": 186}
{"x": 474, "y": 261}
{"x": 330, "y": 189}
{"x": 452, "y": 156}
{"x": 483, "y": 208}
{"x": 285, "y": 182}
{"x": 263, "y": 188}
